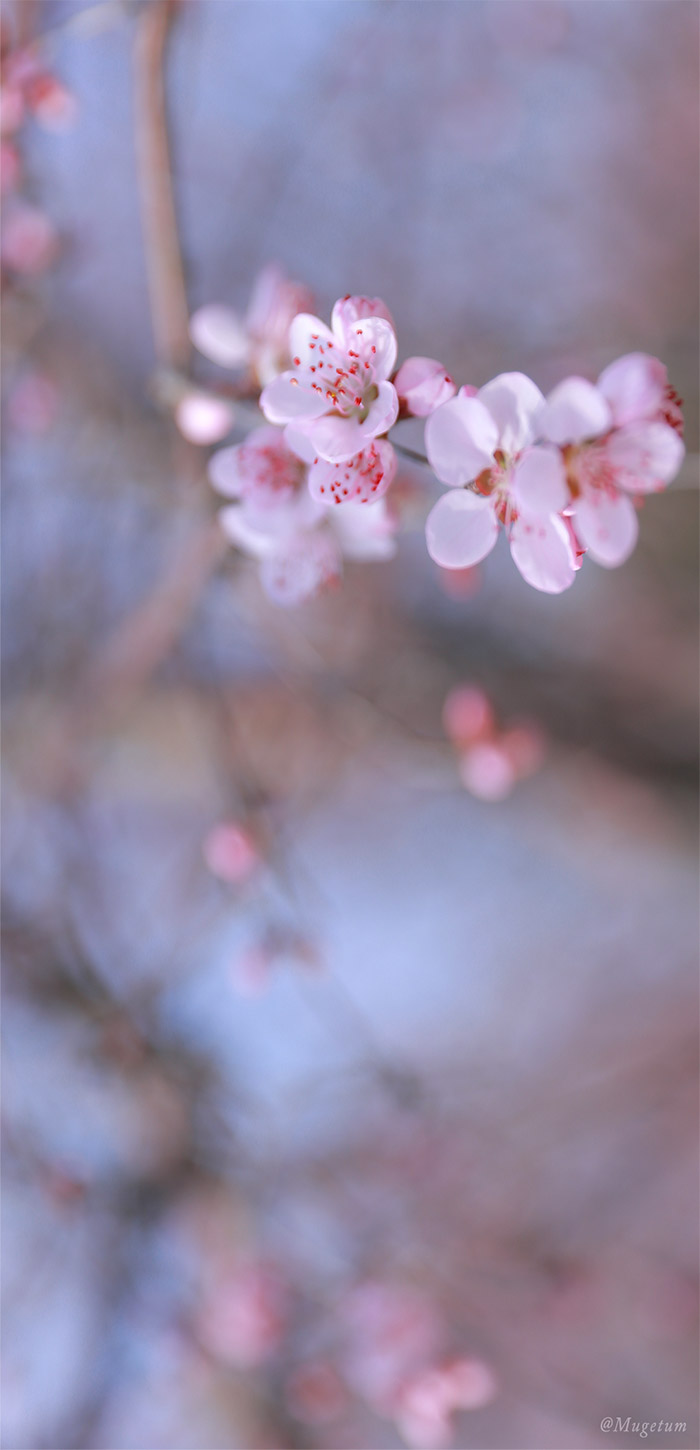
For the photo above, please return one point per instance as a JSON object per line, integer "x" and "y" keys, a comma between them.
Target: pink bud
{"x": 467, "y": 715}
{"x": 422, "y": 384}
{"x": 204, "y": 419}
{"x": 231, "y": 853}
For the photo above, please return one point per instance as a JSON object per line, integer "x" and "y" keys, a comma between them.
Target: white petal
{"x": 336, "y": 439}
{"x": 539, "y": 481}
{"x": 285, "y": 399}
{"x": 606, "y": 524}
{"x": 542, "y": 551}
{"x": 460, "y": 438}
{"x": 461, "y": 530}
{"x": 634, "y": 386}
{"x": 382, "y": 412}
{"x": 375, "y": 340}
{"x": 219, "y": 334}
{"x": 365, "y": 531}
{"x": 644, "y": 456}
{"x": 305, "y": 334}
{"x": 236, "y": 524}
{"x": 514, "y": 402}
{"x": 574, "y": 410}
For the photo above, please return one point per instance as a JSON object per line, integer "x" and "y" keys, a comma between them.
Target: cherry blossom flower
{"x": 260, "y": 340}
{"x": 423, "y": 385}
{"x": 337, "y": 395}
{"x": 262, "y": 471}
{"x": 620, "y": 438}
{"x": 487, "y": 439}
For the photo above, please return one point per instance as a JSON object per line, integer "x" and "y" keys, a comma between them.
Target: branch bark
{"x": 166, "y": 278}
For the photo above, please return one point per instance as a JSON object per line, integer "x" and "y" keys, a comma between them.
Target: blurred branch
{"x": 166, "y": 280}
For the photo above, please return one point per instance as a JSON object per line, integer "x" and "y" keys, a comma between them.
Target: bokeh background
{"x": 470, "y": 1076}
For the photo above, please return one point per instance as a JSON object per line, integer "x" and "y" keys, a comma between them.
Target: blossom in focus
{"x": 423, "y": 385}
{"x": 491, "y": 759}
{"x": 231, "y": 853}
{"x": 362, "y": 479}
{"x": 337, "y": 395}
{"x": 487, "y": 439}
{"x": 620, "y": 438}
{"x": 258, "y": 341}
{"x": 243, "y": 1316}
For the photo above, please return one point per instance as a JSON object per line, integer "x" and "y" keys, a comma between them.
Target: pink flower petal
{"x": 224, "y": 472}
{"x": 375, "y": 339}
{"x": 634, "y": 386}
{"x": 575, "y": 410}
{"x": 219, "y": 334}
{"x": 461, "y": 529}
{"x": 247, "y": 534}
{"x": 423, "y": 385}
{"x": 285, "y": 399}
{"x": 337, "y": 439}
{"x": 644, "y": 456}
{"x": 350, "y": 309}
{"x": 539, "y": 481}
{"x": 460, "y": 438}
{"x": 361, "y": 479}
{"x": 305, "y": 334}
{"x": 606, "y": 524}
{"x": 382, "y": 412}
{"x": 542, "y": 551}
{"x": 514, "y": 402}
{"x": 203, "y": 419}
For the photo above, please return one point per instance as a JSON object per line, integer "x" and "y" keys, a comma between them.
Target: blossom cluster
{"x": 562, "y": 475}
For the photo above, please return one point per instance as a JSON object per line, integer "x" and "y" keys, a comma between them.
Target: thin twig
{"x": 166, "y": 279}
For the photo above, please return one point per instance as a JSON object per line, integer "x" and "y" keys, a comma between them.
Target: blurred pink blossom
{"x": 429, "y": 1400}
{"x": 491, "y": 760}
{"x": 203, "y": 418}
{"x": 260, "y": 340}
{"x": 392, "y": 1332}
{"x": 315, "y": 1392}
{"x": 231, "y": 853}
{"x": 467, "y": 715}
{"x": 28, "y": 240}
{"x": 242, "y": 1318}
{"x": 620, "y": 436}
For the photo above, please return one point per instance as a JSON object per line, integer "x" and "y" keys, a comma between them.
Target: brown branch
{"x": 166, "y": 280}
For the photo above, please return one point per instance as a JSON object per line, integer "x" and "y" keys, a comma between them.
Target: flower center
{"x": 344, "y": 377}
